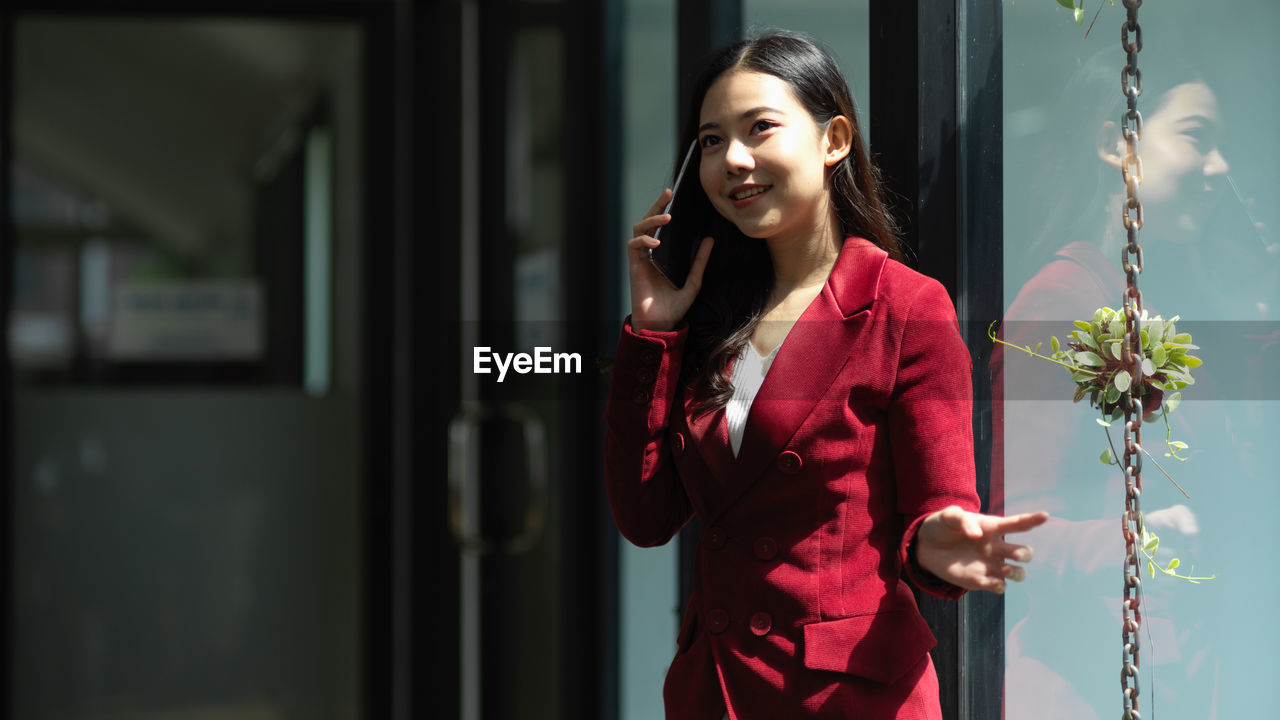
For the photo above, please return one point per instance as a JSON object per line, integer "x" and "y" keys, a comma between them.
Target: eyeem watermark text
{"x": 542, "y": 362}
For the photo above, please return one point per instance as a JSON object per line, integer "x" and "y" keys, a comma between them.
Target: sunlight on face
{"x": 763, "y": 158}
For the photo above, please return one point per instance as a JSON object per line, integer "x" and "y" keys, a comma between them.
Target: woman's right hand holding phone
{"x": 656, "y": 304}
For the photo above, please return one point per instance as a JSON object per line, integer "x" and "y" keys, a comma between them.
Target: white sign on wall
{"x": 219, "y": 320}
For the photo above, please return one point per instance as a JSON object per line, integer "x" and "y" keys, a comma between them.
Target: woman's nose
{"x": 1215, "y": 164}
{"x": 738, "y": 158}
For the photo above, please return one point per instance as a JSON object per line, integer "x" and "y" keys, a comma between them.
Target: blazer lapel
{"x": 710, "y": 436}
{"x": 811, "y": 357}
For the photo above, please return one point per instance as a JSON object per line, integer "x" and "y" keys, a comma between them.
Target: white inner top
{"x": 748, "y": 374}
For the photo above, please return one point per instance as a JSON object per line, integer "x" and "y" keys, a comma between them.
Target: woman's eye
{"x": 1201, "y": 137}
{"x": 761, "y": 126}
{"x": 708, "y": 140}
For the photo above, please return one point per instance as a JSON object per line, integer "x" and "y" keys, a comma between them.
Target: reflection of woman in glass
{"x": 808, "y": 397}
{"x": 1049, "y": 449}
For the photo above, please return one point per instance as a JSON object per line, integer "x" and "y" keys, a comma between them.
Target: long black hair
{"x": 739, "y": 276}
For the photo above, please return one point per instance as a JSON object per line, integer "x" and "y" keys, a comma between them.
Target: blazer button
{"x": 765, "y": 548}
{"x": 677, "y": 444}
{"x": 715, "y": 538}
{"x": 789, "y": 462}
{"x": 644, "y": 375}
{"x": 761, "y": 623}
{"x": 641, "y": 397}
{"x": 717, "y": 621}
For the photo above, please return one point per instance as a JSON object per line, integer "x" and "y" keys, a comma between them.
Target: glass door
{"x": 184, "y": 239}
{"x": 525, "y": 496}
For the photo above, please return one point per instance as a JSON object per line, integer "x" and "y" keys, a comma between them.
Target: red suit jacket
{"x": 860, "y": 430}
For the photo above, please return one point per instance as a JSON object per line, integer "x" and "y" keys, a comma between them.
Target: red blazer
{"x": 860, "y": 430}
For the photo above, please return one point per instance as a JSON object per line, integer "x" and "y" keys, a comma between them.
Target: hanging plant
{"x": 1092, "y": 355}
{"x": 1078, "y": 12}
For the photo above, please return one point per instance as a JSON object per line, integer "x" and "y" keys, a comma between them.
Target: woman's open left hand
{"x": 969, "y": 550}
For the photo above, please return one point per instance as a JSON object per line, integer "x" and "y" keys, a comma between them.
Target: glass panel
{"x": 842, "y": 26}
{"x": 519, "y": 677}
{"x": 1211, "y": 163}
{"x": 648, "y": 593}
{"x": 183, "y": 215}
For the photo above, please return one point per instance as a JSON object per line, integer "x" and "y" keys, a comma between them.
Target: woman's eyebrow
{"x": 1194, "y": 121}
{"x": 749, "y": 113}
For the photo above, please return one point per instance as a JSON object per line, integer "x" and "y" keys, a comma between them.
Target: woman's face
{"x": 764, "y": 158}
{"x": 1183, "y": 170}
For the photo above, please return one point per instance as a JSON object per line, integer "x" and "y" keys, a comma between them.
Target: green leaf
{"x": 1068, "y": 4}
{"x": 1105, "y": 457}
{"x": 1116, "y": 328}
{"x": 1151, "y": 568}
{"x": 1151, "y": 543}
{"x": 1182, "y": 338}
{"x": 1173, "y": 564}
{"x": 1082, "y": 325}
{"x": 1158, "y": 355}
{"x": 1155, "y": 329}
{"x": 1178, "y": 444}
{"x": 1080, "y": 16}
{"x": 1084, "y": 357}
{"x": 1113, "y": 393}
{"x": 1172, "y": 402}
{"x": 1053, "y": 343}
{"x": 1122, "y": 380}
{"x": 1087, "y": 339}
{"x": 1148, "y": 367}
{"x": 1117, "y": 349}
{"x": 1103, "y": 423}
{"x": 1193, "y": 361}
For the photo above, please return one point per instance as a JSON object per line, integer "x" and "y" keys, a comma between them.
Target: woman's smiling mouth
{"x": 746, "y": 194}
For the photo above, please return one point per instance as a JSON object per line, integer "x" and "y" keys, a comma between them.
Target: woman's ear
{"x": 1110, "y": 144}
{"x": 838, "y": 139}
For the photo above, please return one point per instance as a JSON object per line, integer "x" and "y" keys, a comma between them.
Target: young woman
{"x": 808, "y": 397}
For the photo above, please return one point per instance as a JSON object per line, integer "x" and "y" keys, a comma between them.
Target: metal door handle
{"x": 464, "y": 485}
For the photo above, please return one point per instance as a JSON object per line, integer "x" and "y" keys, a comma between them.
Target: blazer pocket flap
{"x": 880, "y": 647}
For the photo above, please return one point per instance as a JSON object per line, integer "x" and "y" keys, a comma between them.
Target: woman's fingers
{"x": 990, "y": 584}
{"x": 649, "y": 224}
{"x": 1015, "y": 573}
{"x": 638, "y": 249}
{"x": 654, "y": 210}
{"x": 1017, "y": 553}
{"x": 1016, "y": 523}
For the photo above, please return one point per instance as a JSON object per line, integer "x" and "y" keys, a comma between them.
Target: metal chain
{"x": 1131, "y": 262}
